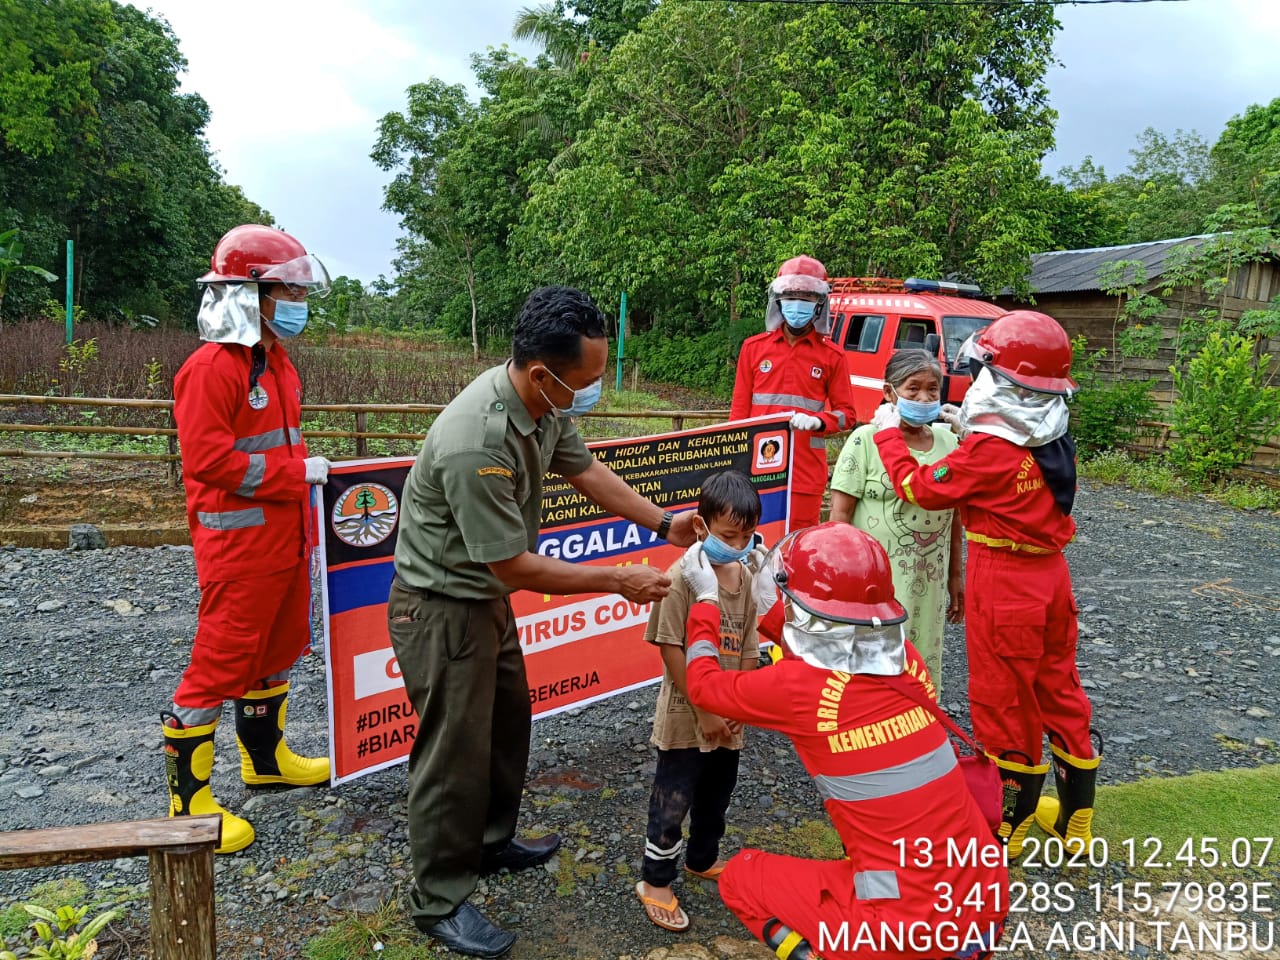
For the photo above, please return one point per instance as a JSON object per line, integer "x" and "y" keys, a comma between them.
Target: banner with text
{"x": 577, "y": 649}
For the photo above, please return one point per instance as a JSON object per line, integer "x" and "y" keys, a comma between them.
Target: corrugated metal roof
{"x": 1064, "y": 271}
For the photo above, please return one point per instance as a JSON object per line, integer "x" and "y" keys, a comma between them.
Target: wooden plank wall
{"x": 1093, "y": 315}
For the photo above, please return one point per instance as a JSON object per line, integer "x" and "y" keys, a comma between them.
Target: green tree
{"x": 97, "y": 145}
{"x": 11, "y": 249}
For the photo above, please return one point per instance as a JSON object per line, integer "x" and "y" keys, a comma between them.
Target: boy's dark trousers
{"x": 700, "y": 785}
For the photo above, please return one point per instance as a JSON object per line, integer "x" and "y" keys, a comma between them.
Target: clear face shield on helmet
{"x": 851, "y": 647}
{"x": 229, "y": 311}
{"x": 773, "y": 319}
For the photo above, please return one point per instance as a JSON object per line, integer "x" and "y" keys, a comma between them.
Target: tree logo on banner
{"x": 365, "y": 515}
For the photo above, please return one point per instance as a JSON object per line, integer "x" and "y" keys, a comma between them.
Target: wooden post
{"x": 174, "y": 468}
{"x": 362, "y": 442}
{"x": 677, "y": 423}
{"x": 182, "y": 914}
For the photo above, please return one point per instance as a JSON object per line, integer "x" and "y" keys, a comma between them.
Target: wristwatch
{"x": 665, "y": 526}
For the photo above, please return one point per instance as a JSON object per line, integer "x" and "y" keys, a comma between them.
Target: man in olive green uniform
{"x": 468, "y": 538}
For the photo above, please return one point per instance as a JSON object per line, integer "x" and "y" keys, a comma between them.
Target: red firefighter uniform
{"x": 809, "y": 376}
{"x": 1020, "y": 615}
{"x": 247, "y": 505}
{"x": 896, "y": 796}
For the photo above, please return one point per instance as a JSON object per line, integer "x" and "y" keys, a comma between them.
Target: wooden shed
{"x": 1100, "y": 292}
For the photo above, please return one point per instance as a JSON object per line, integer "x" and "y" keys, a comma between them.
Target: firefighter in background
{"x": 238, "y": 406}
{"x": 883, "y": 764}
{"x": 1013, "y": 478}
{"x": 793, "y": 368}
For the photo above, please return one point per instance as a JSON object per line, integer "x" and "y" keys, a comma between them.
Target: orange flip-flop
{"x": 711, "y": 873}
{"x": 672, "y": 906}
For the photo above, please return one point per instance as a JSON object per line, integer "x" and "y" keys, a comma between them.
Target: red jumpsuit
{"x": 810, "y": 376}
{"x": 891, "y": 785}
{"x": 247, "y": 506}
{"x": 1020, "y": 615}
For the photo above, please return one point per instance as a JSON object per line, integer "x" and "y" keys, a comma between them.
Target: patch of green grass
{"x": 814, "y": 839}
{"x": 1226, "y": 805}
{"x": 381, "y": 935}
{"x": 1248, "y": 496}
{"x": 1154, "y": 474}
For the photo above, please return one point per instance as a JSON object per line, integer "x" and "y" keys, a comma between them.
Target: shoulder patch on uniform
{"x": 494, "y": 472}
{"x": 941, "y": 473}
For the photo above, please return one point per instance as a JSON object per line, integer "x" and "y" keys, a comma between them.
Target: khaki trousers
{"x": 464, "y": 673}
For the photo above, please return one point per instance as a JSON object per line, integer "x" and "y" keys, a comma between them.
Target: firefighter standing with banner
{"x": 884, "y": 766}
{"x": 1013, "y": 478}
{"x": 238, "y": 407}
{"x": 793, "y": 368}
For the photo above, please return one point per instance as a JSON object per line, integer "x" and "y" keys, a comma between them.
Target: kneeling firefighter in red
{"x": 882, "y": 763}
{"x": 1013, "y": 478}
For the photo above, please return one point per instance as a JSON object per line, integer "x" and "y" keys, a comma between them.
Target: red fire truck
{"x": 874, "y": 316}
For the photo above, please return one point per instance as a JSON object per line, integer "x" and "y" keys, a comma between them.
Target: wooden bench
{"x": 179, "y": 852}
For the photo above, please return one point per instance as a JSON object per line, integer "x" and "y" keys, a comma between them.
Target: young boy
{"x": 698, "y": 751}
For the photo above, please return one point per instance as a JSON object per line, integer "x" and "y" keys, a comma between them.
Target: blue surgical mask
{"x": 797, "y": 313}
{"x": 583, "y": 400}
{"x": 917, "y": 413}
{"x": 719, "y": 553}
{"x": 290, "y": 317}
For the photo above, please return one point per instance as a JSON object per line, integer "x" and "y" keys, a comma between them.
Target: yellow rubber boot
{"x": 265, "y": 760}
{"x": 188, "y": 763}
{"x": 1069, "y": 817}
{"x": 1022, "y": 784}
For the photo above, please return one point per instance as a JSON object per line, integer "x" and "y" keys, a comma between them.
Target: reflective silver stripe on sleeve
{"x": 295, "y": 436}
{"x": 840, "y": 419}
{"x": 703, "y": 648}
{"x": 891, "y": 780}
{"x": 788, "y": 400}
{"x": 876, "y": 885}
{"x": 818, "y": 443}
{"x": 267, "y": 441}
{"x": 253, "y": 476}
{"x": 232, "y": 519}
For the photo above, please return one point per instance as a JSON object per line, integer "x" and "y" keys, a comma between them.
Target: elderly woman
{"x": 923, "y": 545}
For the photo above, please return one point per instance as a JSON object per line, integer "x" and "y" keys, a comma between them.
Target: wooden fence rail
{"x": 179, "y": 852}
{"x": 360, "y": 411}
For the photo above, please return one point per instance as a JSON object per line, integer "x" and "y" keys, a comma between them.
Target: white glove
{"x": 951, "y": 416}
{"x": 805, "y": 421}
{"x": 763, "y": 589}
{"x": 317, "y": 469}
{"x": 699, "y": 575}
{"x": 886, "y": 416}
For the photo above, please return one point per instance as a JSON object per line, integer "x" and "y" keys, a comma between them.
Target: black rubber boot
{"x": 1070, "y": 816}
{"x": 265, "y": 760}
{"x": 188, "y": 765}
{"x": 1022, "y": 784}
{"x": 786, "y": 943}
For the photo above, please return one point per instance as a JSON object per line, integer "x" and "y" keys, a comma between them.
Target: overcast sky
{"x": 334, "y": 67}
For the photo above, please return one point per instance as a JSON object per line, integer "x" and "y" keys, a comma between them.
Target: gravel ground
{"x": 1180, "y": 649}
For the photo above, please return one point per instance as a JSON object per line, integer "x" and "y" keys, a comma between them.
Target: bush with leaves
{"x": 61, "y": 934}
{"x": 1223, "y": 408}
{"x": 1105, "y": 414}
{"x": 703, "y": 362}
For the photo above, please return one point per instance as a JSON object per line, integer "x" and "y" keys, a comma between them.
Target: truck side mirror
{"x": 931, "y": 343}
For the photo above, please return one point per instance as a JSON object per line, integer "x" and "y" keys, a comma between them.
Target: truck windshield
{"x": 956, "y": 331}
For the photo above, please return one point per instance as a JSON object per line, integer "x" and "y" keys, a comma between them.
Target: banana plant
{"x": 11, "y": 260}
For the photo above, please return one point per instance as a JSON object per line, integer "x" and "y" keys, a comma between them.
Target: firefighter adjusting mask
{"x": 995, "y": 404}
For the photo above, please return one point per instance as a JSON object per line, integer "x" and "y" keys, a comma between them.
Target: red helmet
{"x": 255, "y": 253}
{"x": 839, "y": 573}
{"x": 1029, "y": 348}
{"x": 801, "y": 275}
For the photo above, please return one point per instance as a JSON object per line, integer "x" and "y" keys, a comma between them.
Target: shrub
{"x": 1105, "y": 414}
{"x": 705, "y": 362}
{"x": 1223, "y": 409}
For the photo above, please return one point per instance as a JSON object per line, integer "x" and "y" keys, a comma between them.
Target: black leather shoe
{"x": 468, "y": 931}
{"x": 521, "y": 854}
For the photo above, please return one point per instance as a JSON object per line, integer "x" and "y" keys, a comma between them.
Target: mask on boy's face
{"x": 719, "y": 553}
